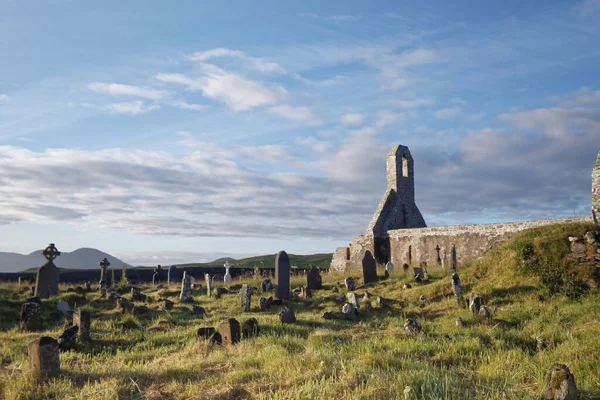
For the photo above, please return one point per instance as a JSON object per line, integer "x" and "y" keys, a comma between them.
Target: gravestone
{"x": 369, "y": 268}
{"x": 208, "y": 285}
{"x": 31, "y": 317}
{"x": 200, "y": 311}
{"x": 475, "y": 302}
{"x": 389, "y": 267}
{"x": 349, "y": 312}
{"x": 46, "y": 282}
{"x": 230, "y": 331}
{"x": 186, "y": 289}
{"x": 456, "y": 285}
{"x": 438, "y": 259}
{"x": 66, "y": 340}
{"x": 266, "y": 285}
{"x": 227, "y": 277}
{"x": 282, "y": 276}
{"x": 454, "y": 258}
{"x": 313, "y": 279}
{"x": 43, "y": 356}
{"x": 205, "y": 332}
{"x": 418, "y": 274}
{"x": 104, "y": 281}
{"x": 82, "y": 319}
{"x": 560, "y": 384}
{"x": 352, "y": 298}
{"x": 287, "y": 315}
{"x": 64, "y": 308}
{"x": 172, "y": 274}
{"x": 246, "y": 297}
{"x": 250, "y": 328}
{"x": 412, "y": 326}
{"x": 262, "y": 304}
{"x": 349, "y": 283}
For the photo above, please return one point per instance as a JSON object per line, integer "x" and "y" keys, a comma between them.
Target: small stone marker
{"x": 313, "y": 279}
{"x": 389, "y": 267}
{"x": 197, "y": 310}
{"x": 412, "y": 326}
{"x": 82, "y": 319}
{"x": 64, "y": 307}
{"x": 246, "y": 297}
{"x": 560, "y": 384}
{"x": 205, "y": 333}
{"x": 66, "y": 340}
{"x": 349, "y": 283}
{"x": 46, "y": 282}
{"x": 418, "y": 274}
{"x": 459, "y": 322}
{"x": 250, "y": 328}
{"x": 124, "y": 305}
{"x": 369, "y": 268}
{"x": 31, "y": 317}
{"x": 282, "y": 276}
{"x": 166, "y": 304}
{"x": 287, "y": 315}
{"x": 266, "y": 285}
{"x": 43, "y": 356}
{"x": 475, "y": 302}
{"x": 352, "y": 298}
{"x": 208, "y": 284}
{"x": 350, "y": 312}
{"x": 216, "y": 338}
{"x": 186, "y": 289}
{"x": 262, "y": 304}
{"x": 230, "y": 331}
{"x": 456, "y": 286}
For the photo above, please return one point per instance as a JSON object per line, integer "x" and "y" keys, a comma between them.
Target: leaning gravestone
{"x": 369, "y": 268}
{"x": 230, "y": 331}
{"x": 246, "y": 297}
{"x": 82, "y": 319}
{"x": 43, "y": 356}
{"x": 282, "y": 276}
{"x": 31, "y": 317}
{"x": 313, "y": 279}
{"x": 46, "y": 282}
{"x": 456, "y": 285}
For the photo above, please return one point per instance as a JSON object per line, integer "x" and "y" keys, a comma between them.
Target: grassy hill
{"x": 268, "y": 261}
{"x": 537, "y": 320}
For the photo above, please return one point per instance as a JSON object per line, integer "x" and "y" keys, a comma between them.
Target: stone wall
{"x": 412, "y": 246}
{"x": 596, "y": 191}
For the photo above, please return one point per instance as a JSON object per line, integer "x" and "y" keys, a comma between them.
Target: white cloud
{"x": 582, "y": 97}
{"x": 333, "y": 18}
{"x": 414, "y": 103}
{"x": 352, "y": 119}
{"x": 256, "y": 63}
{"x": 188, "y": 106}
{"x": 385, "y": 118}
{"x": 132, "y": 107}
{"x": 294, "y": 113}
{"x": 4, "y": 97}
{"x": 117, "y": 89}
{"x": 316, "y": 145}
{"x": 236, "y": 91}
{"x": 448, "y": 113}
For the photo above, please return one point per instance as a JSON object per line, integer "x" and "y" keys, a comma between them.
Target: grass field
{"x": 158, "y": 356}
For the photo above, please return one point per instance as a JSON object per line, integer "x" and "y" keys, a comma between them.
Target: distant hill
{"x": 223, "y": 259}
{"x": 321, "y": 260}
{"x": 84, "y": 258}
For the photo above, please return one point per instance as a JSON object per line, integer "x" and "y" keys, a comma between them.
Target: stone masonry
{"x": 397, "y": 232}
{"x": 596, "y": 191}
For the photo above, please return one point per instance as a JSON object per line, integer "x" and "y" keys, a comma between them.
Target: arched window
{"x": 404, "y": 167}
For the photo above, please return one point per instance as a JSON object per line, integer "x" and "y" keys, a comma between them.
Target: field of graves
{"x": 538, "y": 316}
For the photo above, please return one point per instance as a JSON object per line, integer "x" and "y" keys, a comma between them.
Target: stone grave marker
{"x": 389, "y": 267}
{"x": 560, "y": 384}
{"x": 172, "y": 274}
{"x": 43, "y": 356}
{"x": 352, "y": 298}
{"x": 282, "y": 276}
{"x": 349, "y": 283}
{"x": 456, "y": 285}
{"x": 66, "y": 341}
{"x": 46, "y": 282}
{"x": 31, "y": 317}
{"x": 104, "y": 264}
{"x": 230, "y": 331}
{"x": 82, "y": 319}
{"x": 208, "y": 284}
{"x": 313, "y": 279}
{"x": 417, "y": 274}
{"x": 250, "y": 328}
{"x": 454, "y": 259}
{"x": 246, "y": 297}
{"x": 369, "y": 268}
{"x": 186, "y": 289}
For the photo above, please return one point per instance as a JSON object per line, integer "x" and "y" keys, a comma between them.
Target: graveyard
{"x": 492, "y": 328}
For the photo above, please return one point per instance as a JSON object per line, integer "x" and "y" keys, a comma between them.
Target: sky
{"x": 168, "y": 132}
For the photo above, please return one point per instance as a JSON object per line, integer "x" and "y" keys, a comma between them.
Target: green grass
{"x": 157, "y": 355}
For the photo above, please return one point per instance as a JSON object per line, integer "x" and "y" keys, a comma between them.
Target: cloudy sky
{"x": 166, "y": 133}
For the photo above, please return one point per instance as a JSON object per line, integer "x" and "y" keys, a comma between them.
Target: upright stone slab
{"x": 186, "y": 288}
{"x": 82, "y": 319}
{"x": 43, "y": 356}
{"x": 208, "y": 285}
{"x": 31, "y": 317}
{"x": 230, "y": 331}
{"x": 369, "y": 268}
{"x": 46, "y": 282}
{"x": 282, "y": 276}
{"x": 246, "y": 297}
{"x": 313, "y": 279}
{"x": 596, "y": 191}
{"x": 172, "y": 275}
{"x": 454, "y": 258}
{"x": 389, "y": 267}
{"x": 104, "y": 281}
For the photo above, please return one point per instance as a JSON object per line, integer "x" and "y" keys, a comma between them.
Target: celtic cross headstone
{"x": 46, "y": 282}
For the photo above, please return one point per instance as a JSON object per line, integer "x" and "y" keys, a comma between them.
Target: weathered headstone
{"x": 475, "y": 302}
{"x": 166, "y": 304}
{"x": 412, "y": 326}
{"x": 46, "y": 282}
{"x": 352, "y": 298}
{"x": 349, "y": 283}
{"x": 389, "y": 267}
{"x": 349, "y": 312}
{"x": 459, "y": 322}
{"x": 313, "y": 279}
{"x": 197, "y": 310}
{"x": 64, "y": 307}
{"x": 417, "y": 274}
{"x": 287, "y": 315}
{"x": 172, "y": 274}
{"x": 67, "y": 339}
{"x": 369, "y": 268}
{"x": 282, "y": 276}
{"x": 230, "y": 331}
{"x": 250, "y": 328}
{"x": 186, "y": 289}
{"x": 456, "y": 285}
{"x": 262, "y": 304}
{"x": 208, "y": 284}
{"x": 266, "y": 285}
{"x": 227, "y": 276}
{"x": 104, "y": 281}
{"x": 454, "y": 258}
{"x": 205, "y": 332}
{"x": 82, "y": 319}
{"x": 43, "y": 356}
{"x": 560, "y": 384}
{"x": 246, "y": 297}
{"x": 31, "y": 317}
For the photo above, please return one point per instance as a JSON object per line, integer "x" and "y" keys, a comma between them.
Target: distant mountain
{"x": 84, "y": 258}
{"x": 223, "y": 259}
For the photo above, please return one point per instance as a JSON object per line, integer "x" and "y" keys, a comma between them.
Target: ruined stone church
{"x": 398, "y": 233}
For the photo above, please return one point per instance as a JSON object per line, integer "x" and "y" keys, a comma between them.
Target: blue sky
{"x": 166, "y": 133}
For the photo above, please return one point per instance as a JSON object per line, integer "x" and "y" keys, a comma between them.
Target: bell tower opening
{"x": 404, "y": 167}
